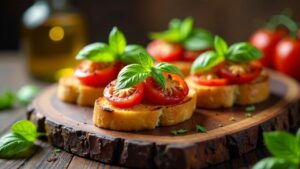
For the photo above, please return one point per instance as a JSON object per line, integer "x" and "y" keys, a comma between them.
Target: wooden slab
{"x": 70, "y": 127}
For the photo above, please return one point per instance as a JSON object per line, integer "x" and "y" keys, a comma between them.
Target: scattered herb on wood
{"x": 248, "y": 115}
{"x": 250, "y": 109}
{"x": 23, "y": 97}
{"x": 231, "y": 118}
{"x": 201, "y": 129}
{"x": 20, "y": 142}
{"x": 179, "y": 132}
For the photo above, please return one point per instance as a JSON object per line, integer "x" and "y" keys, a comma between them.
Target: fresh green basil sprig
{"x": 182, "y": 31}
{"x": 23, "y": 97}
{"x": 116, "y": 49}
{"x": 136, "y": 73}
{"x": 241, "y": 52}
{"x": 285, "y": 149}
{"x": 20, "y": 142}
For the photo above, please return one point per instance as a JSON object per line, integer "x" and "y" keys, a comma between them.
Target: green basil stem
{"x": 283, "y": 20}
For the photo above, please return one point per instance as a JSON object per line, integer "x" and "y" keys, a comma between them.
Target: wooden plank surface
{"x": 12, "y": 75}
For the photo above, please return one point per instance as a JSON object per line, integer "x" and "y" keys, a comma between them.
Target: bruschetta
{"x": 229, "y": 76}
{"x": 180, "y": 45}
{"x": 144, "y": 97}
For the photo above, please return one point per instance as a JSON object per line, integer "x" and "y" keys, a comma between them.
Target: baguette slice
{"x": 213, "y": 96}
{"x": 142, "y": 116}
{"x": 254, "y": 92}
{"x": 70, "y": 90}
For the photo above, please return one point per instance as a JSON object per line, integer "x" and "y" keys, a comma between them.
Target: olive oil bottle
{"x": 53, "y": 33}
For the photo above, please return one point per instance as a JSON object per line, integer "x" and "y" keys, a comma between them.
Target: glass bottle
{"x": 53, "y": 33}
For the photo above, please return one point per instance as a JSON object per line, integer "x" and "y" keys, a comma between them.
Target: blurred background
{"x": 91, "y": 20}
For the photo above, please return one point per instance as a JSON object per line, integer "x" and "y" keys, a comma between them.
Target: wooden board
{"x": 70, "y": 127}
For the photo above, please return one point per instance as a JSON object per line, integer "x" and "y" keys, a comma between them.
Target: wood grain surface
{"x": 230, "y": 133}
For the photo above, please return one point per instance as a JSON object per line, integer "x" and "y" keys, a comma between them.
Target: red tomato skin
{"x": 165, "y": 51}
{"x": 155, "y": 95}
{"x": 266, "y": 41}
{"x": 242, "y": 78}
{"x": 287, "y": 57}
{"x": 126, "y": 102}
{"x": 213, "y": 82}
{"x": 99, "y": 78}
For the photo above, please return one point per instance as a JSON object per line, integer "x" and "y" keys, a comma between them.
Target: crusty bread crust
{"x": 253, "y": 93}
{"x": 142, "y": 116}
{"x": 70, "y": 90}
{"x": 213, "y": 97}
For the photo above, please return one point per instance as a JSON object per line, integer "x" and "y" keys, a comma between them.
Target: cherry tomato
{"x": 209, "y": 80}
{"x": 165, "y": 51}
{"x": 96, "y": 73}
{"x": 124, "y": 98}
{"x": 266, "y": 41}
{"x": 287, "y": 57}
{"x": 241, "y": 73}
{"x": 175, "y": 91}
{"x": 191, "y": 56}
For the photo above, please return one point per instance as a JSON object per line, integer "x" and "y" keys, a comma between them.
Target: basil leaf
{"x": 220, "y": 45}
{"x": 199, "y": 39}
{"x": 243, "y": 52}
{"x": 169, "y": 68}
{"x": 145, "y": 60}
{"x": 26, "y": 94}
{"x": 117, "y": 40}
{"x": 26, "y": 129}
{"x": 175, "y": 24}
{"x": 298, "y": 141}
{"x": 158, "y": 76}
{"x": 206, "y": 61}
{"x": 15, "y": 146}
{"x": 98, "y": 52}
{"x": 169, "y": 35}
{"x": 186, "y": 27}
{"x": 283, "y": 145}
{"x": 131, "y": 54}
{"x": 131, "y": 75}
{"x": 7, "y": 99}
{"x": 274, "y": 163}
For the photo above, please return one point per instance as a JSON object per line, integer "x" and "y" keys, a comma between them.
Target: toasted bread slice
{"x": 70, "y": 90}
{"x": 142, "y": 116}
{"x": 214, "y": 96}
{"x": 254, "y": 92}
{"x": 226, "y": 96}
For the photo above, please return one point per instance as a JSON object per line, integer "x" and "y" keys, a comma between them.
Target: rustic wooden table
{"x": 13, "y": 75}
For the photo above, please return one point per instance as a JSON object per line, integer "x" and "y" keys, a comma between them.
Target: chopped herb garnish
{"x": 201, "y": 129}
{"x": 232, "y": 118}
{"x": 250, "y": 108}
{"x": 248, "y": 115}
{"x": 179, "y": 132}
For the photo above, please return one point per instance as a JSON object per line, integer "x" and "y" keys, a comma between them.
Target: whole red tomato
{"x": 287, "y": 57}
{"x": 266, "y": 41}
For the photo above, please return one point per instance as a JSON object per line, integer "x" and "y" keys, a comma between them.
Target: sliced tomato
{"x": 124, "y": 98}
{"x": 241, "y": 73}
{"x": 165, "y": 51}
{"x": 209, "y": 80}
{"x": 97, "y": 73}
{"x": 191, "y": 56}
{"x": 175, "y": 91}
